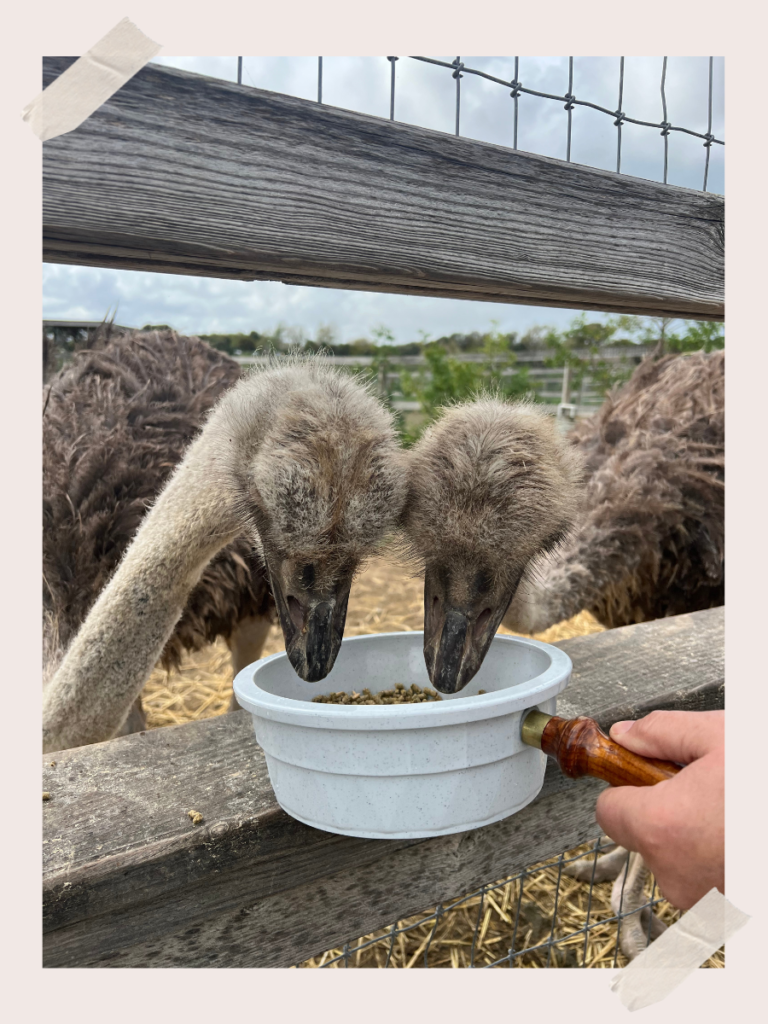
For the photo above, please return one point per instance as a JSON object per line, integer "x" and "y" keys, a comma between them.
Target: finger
{"x": 623, "y": 813}
{"x": 681, "y": 736}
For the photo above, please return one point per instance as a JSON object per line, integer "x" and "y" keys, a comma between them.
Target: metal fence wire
{"x": 537, "y": 918}
{"x": 458, "y": 69}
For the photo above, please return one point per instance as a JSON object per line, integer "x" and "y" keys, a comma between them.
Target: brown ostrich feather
{"x": 116, "y": 422}
{"x": 652, "y": 540}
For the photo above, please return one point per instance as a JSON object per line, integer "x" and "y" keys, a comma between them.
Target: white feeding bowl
{"x": 403, "y": 771}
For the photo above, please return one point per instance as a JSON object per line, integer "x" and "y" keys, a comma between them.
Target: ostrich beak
{"x": 312, "y": 625}
{"x": 458, "y": 632}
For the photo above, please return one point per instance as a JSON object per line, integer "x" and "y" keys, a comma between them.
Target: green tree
{"x": 690, "y": 336}
{"x": 500, "y": 373}
{"x": 325, "y": 337}
{"x": 700, "y": 335}
{"x": 447, "y": 380}
{"x": 236, "y": 344}
{"x": 535, "y": 338}
{"x": 657, "y": 331}
{"x": 579, "y": 347}
{"x": 383, "y": 336}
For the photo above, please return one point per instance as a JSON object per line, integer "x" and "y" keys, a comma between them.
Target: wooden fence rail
{"x": 192, "y": 175}
{"x": 130, "y": 882}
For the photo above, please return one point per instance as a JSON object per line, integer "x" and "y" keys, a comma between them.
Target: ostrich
{"x": 115, "y": 424}
{"x": 299, "y": 459}
{"x": 491, "y": 523}
{"x": 652, "y": 541}
{"x": 491, "y": 486}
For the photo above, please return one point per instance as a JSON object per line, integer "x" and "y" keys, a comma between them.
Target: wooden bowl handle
{"x": 580, "y": 747}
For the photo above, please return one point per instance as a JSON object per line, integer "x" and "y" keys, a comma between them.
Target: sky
{"x": 425, "y": 96}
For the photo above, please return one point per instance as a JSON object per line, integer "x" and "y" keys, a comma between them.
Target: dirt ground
{"x": 385, "y": 598}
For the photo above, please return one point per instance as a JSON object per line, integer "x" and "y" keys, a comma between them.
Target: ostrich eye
{"x": 307, "y": 576}
{"x": 483, "y": 582}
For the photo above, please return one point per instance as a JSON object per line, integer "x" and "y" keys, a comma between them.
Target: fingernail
{"x": 619, "y": 728}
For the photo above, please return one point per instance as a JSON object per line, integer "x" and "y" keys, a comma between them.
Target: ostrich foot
{"x": 630, "y": 874}
{"x": 637, "y": 923}
{"x": 606, "y": 869}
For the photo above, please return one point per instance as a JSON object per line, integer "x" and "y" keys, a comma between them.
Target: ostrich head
{"x": 490, "y": 487}
{"x": 322, "y": 481}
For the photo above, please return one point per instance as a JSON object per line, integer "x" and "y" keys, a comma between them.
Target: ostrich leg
{"x": 135, "y": 722}
{"x": 246, "y": 644}
{"x": 634, "y": 930}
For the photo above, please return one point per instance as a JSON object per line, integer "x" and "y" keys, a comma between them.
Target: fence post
{"x": 566, "y": 413}
{"x": 565, "y": 394}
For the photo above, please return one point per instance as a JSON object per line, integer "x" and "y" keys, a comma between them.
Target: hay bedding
{"x": 478, "y": 930}
{"x": 384, "y": 599}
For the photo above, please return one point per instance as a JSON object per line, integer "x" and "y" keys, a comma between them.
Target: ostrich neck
{"x": 558, "y": 587}
{"x": 596, "y": 569}
{"x": 124, "y": 634}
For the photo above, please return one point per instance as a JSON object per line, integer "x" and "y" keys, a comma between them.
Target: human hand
{"x": 677, "y": 826}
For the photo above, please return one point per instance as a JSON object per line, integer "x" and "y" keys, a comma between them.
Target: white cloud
{"x": 206, "y": 305}
{"x": 425, "y": 95}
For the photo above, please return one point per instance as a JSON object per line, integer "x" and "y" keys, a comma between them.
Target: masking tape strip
{"x": 678, "y": 952}
{"x": 90, "y": 81}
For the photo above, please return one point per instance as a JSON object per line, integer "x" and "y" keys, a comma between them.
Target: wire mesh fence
{"x": 458, "y": 69}
{"x": 540, "y": 917}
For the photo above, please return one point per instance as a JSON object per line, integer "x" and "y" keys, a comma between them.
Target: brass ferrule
{"x": 534, "y": 723}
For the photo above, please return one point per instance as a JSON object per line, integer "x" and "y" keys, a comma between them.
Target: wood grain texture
{"x": 129, "y": 881}
{"x": 580, "y": 747}
{"x": 185, "y": 174}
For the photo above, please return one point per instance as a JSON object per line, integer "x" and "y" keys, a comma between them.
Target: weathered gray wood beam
{"x": 130, "y": 882}
{"x": 185, "y": 174}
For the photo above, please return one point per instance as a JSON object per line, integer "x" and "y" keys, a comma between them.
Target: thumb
{"x": 681, "y": 736}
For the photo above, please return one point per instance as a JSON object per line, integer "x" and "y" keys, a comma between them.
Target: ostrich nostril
{"x": 296, "y": 612}
{"x": 481, "y": 623}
